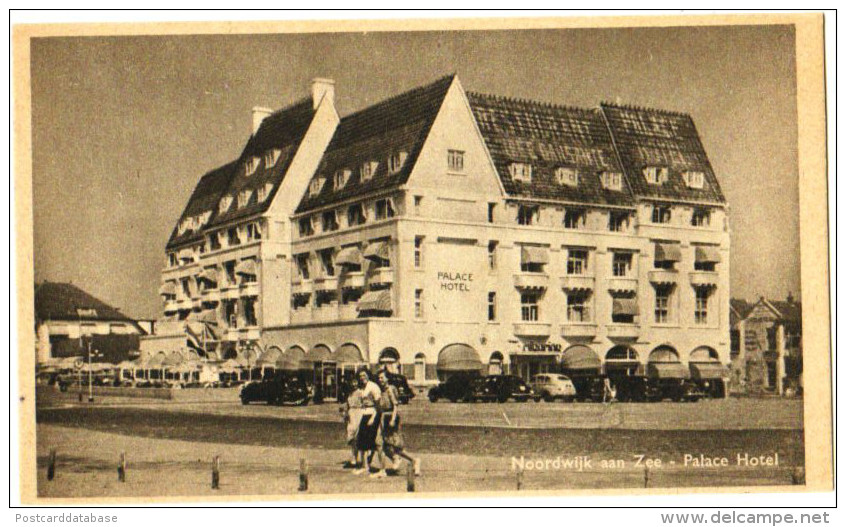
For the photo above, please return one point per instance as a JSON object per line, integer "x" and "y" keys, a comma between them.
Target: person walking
{"x": 393, "y": 444}
{"x": 368, "y": 426}
{"x": 352, "y": 410}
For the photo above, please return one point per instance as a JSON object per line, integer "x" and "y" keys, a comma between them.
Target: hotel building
{"x": 441, "y": 230}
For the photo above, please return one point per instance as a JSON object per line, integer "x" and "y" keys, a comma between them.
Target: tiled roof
{"x": 790, "y": 311}
{"x": 283, "y": 130}
{"x": 398, "y": 124}
{"x": 740, "y": 310}
{"x": 647, "y": 137}
{"x": 205, "y": 197}
{"x": 549, "y": 137}
{"x": 61, "y": 301}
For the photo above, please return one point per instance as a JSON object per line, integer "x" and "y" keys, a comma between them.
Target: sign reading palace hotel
{"x": 455, "y": 281}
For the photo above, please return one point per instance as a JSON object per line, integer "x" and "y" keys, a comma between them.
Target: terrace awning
{"x": 246, "y": 267}
{"x": 348, "y": 256}
{"x": 209, "y": 316}
{"x": 375, "y": 301}
{"x": 377, "y": 251}
{"x": 667, "y": 370}
{"x": 667, "y": 252}
{"x": 168, "y": 288}
{"x": 348, "y": 354}
{"x": 292, "y": 360}
{"x": 708, "y": 254}
{"x": 624, "y": 306}
{"x": 185, "y": 254}
{"x": 459, "y": 357}
{"x": 708, "y": 370}
{"x": 209, "y": 275}
{"x": 318, "y": 353}
{"x": 534, "y": 255}
{"x": 580, "y": 358}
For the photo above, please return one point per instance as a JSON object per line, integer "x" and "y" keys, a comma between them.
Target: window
{"x": 529, "y": 305}
{"x": 661, "y": 214}
{"x": 253, "y": 231}
{"x": 455, "y": 160}
{"x": 225, "y": 203}
{"x": 264, "y": 192}
{"x": 171, "y": 259}
{"x": 384, "y": 209}
{"x": 577, "y": 261}
{"x": 229, "y": 270}
{"x": 612, "y": 180}
{"x": 621, "y": 265}
{"x": 244, "y": 198}
{"x": 700, "y": 313}
{"x": 214, "y": 241}
{"x": 618, "y": 221}
{"x": 491, "y": 306}
{"x": 694, "y": 179}
{"x": 418, "y": 303}
{"x": 250, "y": 165}
{"x": 232, "y": 237}
{"x": 527, "y": 214}
{"x": 705, "y": 266}
{"x": 662, "y": 303}
{"x": 418, "y": 203}
{"x": 329, "y": 221}
{"x": 574, "y": 218}
{"x": 701, "y": 217}
{"x": 368, "y": 169}
{"x": 396, "y": 161}
{"x": 249, "y": 303}
{"x": 521, "y": 172}
{"x": 302, "y": 266}
{"x": 230, "y": 312}
{"x": 355, "y": 215}
{"x": 567, "y": 176}
{"x": 326, "y": 260}
{"x": 341, "y": 178}
{"x": 315, "y": 186}
{"x": 306, "y": 227}
{"x": 492, "y": 254}
{"x": 271, "y": 157}
{"x": 655, "y": 175}
{"x": 578, "y": 308}
{"x": 491, "y": 212}
{"x": 418, "y": 251}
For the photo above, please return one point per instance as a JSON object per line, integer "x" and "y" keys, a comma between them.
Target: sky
{"x": 124, "y": 127}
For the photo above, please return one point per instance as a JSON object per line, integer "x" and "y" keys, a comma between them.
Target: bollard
{"x": 798, "y": 476}
{"x": 409, "y": 481}
{"x": 51, "y": 465}
{"x": 646, "y": 477}
{"x": 122, "y": 468}
{"x": 216, "y": 472}
{"x": 303, "y": 476}
{"x": 519, "y": 478}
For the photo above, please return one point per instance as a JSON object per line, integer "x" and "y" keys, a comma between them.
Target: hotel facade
{"x": 441, "y": 231}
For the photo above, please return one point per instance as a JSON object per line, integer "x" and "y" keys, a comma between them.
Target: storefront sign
{"x": 452, "y": 281}
{"x": 542, "y": 347}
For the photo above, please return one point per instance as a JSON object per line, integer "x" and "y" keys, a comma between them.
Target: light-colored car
{"x": 551, "y": 386}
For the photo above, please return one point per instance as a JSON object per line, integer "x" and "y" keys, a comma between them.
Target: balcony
{"x": 347, "y": 311}
{"x": 623, "y": 331}
{"x": 704, "y": 278}
{"x": 578, "y": 330}
{"x": 531, "y": 280}
{"x": 184, "y": 303}
{"x": 353, "y": 280}
{"x": 249, "y": 289}
{"x": 249, "y": 333}
{"x": 211, "y": 294}
{"x": 229, "y": 291}
{"x": 231, "y": 334}
{"x": 622, "y": 284}
{"x": 664, "y": 276}
{"x": 383, "y": 276}
{"x": 577, "y": 283}
{"x": 171, "y": 306}
{"x": 302, "y": 287}
{"x": 326, "y": 283}
{"x": 532, "y": 329}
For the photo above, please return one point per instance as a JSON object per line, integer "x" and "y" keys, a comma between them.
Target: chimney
{"x": 790, "y": 298}
{"x": 259, "y": 114}
{"x": 321, "y": 88}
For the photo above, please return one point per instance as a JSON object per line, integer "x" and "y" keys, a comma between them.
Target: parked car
{"x": 458, "y": 387}
{"x": 551, "y": 386}
{"x": 679, "y": 390}
{"x": 588, "y": 387}
{"x": 505, "y": 387}
{"x": 278, "y": 389}
{"x": 404, "y": 391}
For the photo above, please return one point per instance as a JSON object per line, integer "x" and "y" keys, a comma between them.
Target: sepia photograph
{"x": 278, "y": 261}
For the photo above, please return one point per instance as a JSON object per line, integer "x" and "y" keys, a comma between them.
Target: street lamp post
{"x": 91, "y": 373}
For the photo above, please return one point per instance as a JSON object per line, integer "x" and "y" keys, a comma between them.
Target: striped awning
{"x": 459, "y": 357}
{"x": 708, "y": 254}
{"x": 624, "y": 306}
{"x": 209, "y": 274}
{"x": 168, "y": 288}
{"x": 377, "y": 251}
{"x": 185, "y": 254}
{"x": 580, "y": 358}
{"x": 209, "y": 316}
{"x": 534, "y": 255}
{"x": 667, "y": 252}
{"x": 247, "y": 267}
{"x": 667, "y": 370}
{"x": 708, "y": 370}
{"x": 348, "y": 256}
{"x": 318, "y": 353}
{"x": 375, "y": 301}
{"x": 348, "y": 354}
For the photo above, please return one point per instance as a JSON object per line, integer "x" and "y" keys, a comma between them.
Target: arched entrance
{"x": 419, "y": 367}
{"x": 292, "y": 360}
{"x": 664, "y": 364}
{"x": 495, "y": 363}
{"x": 389, "y": 359}
{"x": 622, "y": 361}
{"x": 583, "y": 366}
{"x": 708, "y": 372}
{"x": 319, "y": 360}
{"x": 458, "y": 358}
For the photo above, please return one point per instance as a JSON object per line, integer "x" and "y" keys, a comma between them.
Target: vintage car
{"x": 279, "y": 388}
{"x": 551, "y": 386}
{"x": 406, "y": 394}
{"x": 505, "y": 387}
{"x": 458, "y": 387}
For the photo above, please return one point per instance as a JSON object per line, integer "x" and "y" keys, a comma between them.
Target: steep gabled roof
{"x": 740, "y": 309}
{"x": 61, "y": 301}
{"x": 648, "y": 137}
{"x": 398, "y": 124}
{"x": 549, "y": 137}
{"x": 791, "y": 312}
{"x": 205, "y": 198}
{"x": 283, "y": 130}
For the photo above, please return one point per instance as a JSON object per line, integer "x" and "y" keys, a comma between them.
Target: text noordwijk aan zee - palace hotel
{"x": 441, "y": 230}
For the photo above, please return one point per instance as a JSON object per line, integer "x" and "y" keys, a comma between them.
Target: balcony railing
{"x": 249, "y": 289}
{"x": 577, "y": 283}
{"x": 664, "y": 276}
{"x": 525, "y": 280}
{"x": 532, "y": 329}
{"x": 354, "y": 280}
{"x": 326, "y": 283}
{"x": 704, "y": 278}
{"x": 622, "y": 284}
{"x": 578, "y": 329}
{"x": 302, "y": 287}
{"x": 383, "y": 276}
{"x": 623, "y": 331}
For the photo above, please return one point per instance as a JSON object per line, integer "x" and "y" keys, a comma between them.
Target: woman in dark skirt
{"x": 393, "y": 444}
{"x": 368, "y": 428}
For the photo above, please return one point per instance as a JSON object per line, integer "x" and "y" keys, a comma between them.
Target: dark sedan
{"x": 280, "y": 388}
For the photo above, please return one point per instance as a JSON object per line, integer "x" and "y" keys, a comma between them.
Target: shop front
{"x": 533, "y": 357}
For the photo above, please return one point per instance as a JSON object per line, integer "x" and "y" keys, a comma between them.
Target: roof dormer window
{"x": 694, "y": 178}
{"x": 341, "y": 178}
{"x": 225, "y": 203}
{"x": 368, "y": 169}
{"x": 315, "y": 186}
{"x": 244, "y": 198}
{"x": 264, "y": 192}
{"x": 271, "y": 157}
{"x": 612, "y": 180}
{"x": 396, "y": 161}
{"x": 655, "y": 175}
{"x": 521, "y": 172}
{"x": 567, "y": 176}
{"x": 251, "y": 165}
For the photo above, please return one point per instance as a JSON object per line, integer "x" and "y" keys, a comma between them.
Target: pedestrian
{"x": 352, "y": 411}
{"x": 393, "y": 444}
{"x": 609, "y": 393}
{"x": 368, "y": 426}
